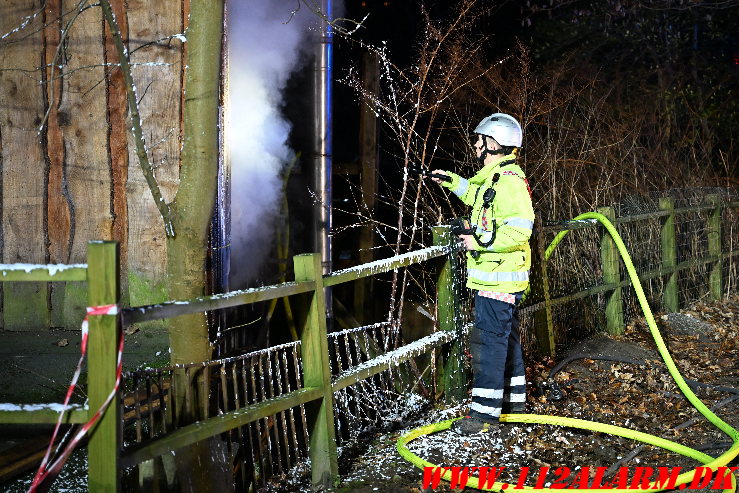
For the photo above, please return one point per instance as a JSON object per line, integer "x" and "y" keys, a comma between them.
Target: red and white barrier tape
{"x": 52, "y": 470}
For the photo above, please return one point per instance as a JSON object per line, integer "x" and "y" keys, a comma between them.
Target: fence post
{"x": 104, "y": 335}
{"x": 670, "y": 299}
{"x": 715, "y": 280}
{"x": 317, "y": 373}
{"x": 611, "y": 274}
{"x": 454, "y": 381}
{"x": 543, "y": 327}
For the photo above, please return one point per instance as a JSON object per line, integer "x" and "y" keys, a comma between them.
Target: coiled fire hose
{"x": 686, "y": 477}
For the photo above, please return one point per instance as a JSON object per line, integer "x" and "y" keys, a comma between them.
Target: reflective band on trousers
{"x": 510, "y": 382}
{"x": 519, "y": 222}
{"x": 498, "y": 276}
{"x": 461, "y": 187}
{"x": 498, "y": 394}
{"x": 492, "y": 411}
{"x": 488, "y": 393}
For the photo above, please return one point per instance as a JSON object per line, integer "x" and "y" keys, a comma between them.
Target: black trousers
{"x": 499, "y": 374}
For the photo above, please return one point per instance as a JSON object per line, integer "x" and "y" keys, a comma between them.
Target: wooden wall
{"x": 79, "y": 179}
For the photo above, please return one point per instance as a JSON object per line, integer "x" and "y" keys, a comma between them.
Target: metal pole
{"x": 323, "y": 145}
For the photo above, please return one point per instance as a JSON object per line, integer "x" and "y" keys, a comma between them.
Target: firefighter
{"x": 498, "y": 263}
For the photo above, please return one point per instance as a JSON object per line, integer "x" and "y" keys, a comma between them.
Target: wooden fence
{"x": 102, "y": 275}
{"x": 318, "y": 386}
{"x": 105, "y": 458}
{"x": 721, "y": 246}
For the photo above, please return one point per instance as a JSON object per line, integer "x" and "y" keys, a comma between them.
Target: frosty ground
{"x": 615, "y": 380}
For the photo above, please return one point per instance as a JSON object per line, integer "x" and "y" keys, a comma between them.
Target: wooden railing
{"x": 101, "y": 272}
{"x": 613, "y": 275}
{"x": 318, "y": 384}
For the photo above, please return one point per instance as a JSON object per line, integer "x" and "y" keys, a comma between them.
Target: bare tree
{"x": 418, "y": 109}
{"x": 583, "y": 147}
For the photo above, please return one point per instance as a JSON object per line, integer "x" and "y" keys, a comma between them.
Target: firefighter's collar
{"x": 489, "y": 169}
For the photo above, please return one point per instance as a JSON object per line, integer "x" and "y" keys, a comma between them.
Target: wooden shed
{"x": 68, "y": 173}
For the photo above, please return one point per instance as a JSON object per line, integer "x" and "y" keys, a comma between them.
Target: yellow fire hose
{"x": 686, "y": 477}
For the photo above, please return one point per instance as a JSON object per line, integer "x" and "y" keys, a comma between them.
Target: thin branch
{"x": 156, "y": 42}
{"x": 335, "y": 23}
{"x": 26, "y": 21}
{"x": 138, "y": 135}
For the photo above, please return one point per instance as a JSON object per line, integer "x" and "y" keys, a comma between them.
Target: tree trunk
{"x": 191, "y": 211}
{"x": 193, "y": 205}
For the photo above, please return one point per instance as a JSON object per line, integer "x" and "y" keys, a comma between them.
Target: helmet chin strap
{"x": 485, "y": 152}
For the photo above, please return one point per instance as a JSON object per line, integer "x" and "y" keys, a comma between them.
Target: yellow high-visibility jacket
{"x": 504, "y": 264}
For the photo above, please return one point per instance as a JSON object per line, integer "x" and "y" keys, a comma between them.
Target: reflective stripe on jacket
{"x": 504, "y": 265}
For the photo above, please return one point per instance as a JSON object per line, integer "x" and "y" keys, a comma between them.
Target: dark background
{"x": 658, "y": 47}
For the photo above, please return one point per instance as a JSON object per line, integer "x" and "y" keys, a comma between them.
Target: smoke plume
{"x": 266, "y": 44}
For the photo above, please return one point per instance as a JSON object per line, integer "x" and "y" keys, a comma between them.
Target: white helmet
{"x": 503, "y": 128}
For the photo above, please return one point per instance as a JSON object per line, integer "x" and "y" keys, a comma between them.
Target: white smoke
{"x": 264, "y": 50}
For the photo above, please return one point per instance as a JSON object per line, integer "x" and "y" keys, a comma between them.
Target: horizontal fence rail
{"x": 231, "y": 299}
{"x": 390, "y": 359}
{"x": 39, "y": 272}
{"x": 42, "y": 413}
{"x": 386, "y": 265}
